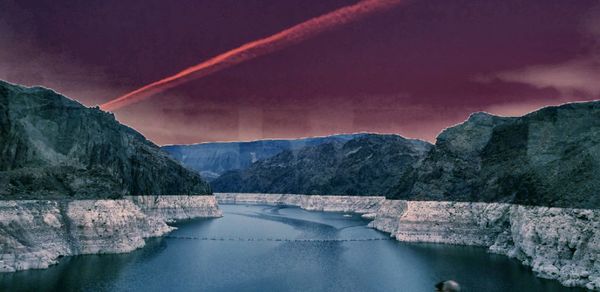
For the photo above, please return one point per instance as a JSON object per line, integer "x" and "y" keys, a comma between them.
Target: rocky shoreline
{"x": 34, "y": 234}
{"x": 557, "y": 243}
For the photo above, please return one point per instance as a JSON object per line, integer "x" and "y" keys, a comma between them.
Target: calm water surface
{"x": 186, "y": 261}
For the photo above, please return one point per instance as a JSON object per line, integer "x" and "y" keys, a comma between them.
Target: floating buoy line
{"x": 278, "y": 239}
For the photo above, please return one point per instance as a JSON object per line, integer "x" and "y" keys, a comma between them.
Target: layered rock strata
{"x": 34, "y": 234}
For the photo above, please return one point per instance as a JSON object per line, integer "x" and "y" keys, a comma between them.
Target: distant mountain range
{"x": 548, "y": 157}
{"x": 213, "y": 159}
{"x": 53, "y": 147}
{"x": 366, "y": 165}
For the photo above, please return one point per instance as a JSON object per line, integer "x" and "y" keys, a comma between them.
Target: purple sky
{"x": 413, "y": 70}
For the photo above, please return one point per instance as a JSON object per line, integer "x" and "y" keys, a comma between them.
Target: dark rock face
{"x": 54, "y": 147}
{"x": 548, "y": 157}
{"x": 367, "y": 165}
{"x": 213, "y": 159}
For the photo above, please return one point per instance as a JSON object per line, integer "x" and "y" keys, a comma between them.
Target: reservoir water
{"x": 267, "y": 248}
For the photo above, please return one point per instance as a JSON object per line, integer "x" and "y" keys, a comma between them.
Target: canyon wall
{"x": 557, "y": 243}
{"x": 549, "y": 157}
{"x": 34, "y": 234}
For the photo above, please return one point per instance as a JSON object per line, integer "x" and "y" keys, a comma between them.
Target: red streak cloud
{"x": 251, "y": 50}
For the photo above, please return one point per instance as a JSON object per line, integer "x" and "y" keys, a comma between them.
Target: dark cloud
{"x": 577, "y": 77}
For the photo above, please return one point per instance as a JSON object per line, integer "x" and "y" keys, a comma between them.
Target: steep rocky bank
{"x": 558, "y": 243}
{"x": 62, "y": 163}
{"x": 34, "y": 234}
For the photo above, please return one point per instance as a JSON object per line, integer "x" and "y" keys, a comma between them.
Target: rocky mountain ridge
{"x": 52, "y": 147}
{"x": 548, "y": 158}
{"x": 213, "y": 159}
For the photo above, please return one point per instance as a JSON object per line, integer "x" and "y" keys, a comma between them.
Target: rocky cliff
{"x": 557, "y": 243}
{"x": 36, "y": 233}
{"x": 548, "y": 157}
{"x": 59, "y": 164}
{"x": 52, "y": 147}
{"x": 213, "y": 159}
{"x": 367, "y": 165}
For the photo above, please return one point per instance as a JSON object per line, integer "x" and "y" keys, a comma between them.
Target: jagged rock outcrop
{"x": 548, "y": 157}
{"x": 52, "y": 147}
{"x": 213, "y": 159}
{"x": 368, "y": 165}
{"x": 34, "y": 234}
{"x": 558, "y": 243}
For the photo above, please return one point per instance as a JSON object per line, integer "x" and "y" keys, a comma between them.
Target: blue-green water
{"x": 250, "y": 258}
